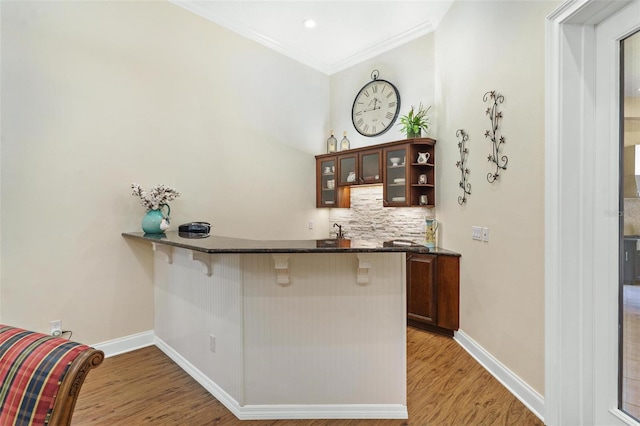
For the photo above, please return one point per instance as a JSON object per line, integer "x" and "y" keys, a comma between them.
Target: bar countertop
{"x": 220, "y": 244}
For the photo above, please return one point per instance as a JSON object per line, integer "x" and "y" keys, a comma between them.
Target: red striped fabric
{"x": 32, "y": 366}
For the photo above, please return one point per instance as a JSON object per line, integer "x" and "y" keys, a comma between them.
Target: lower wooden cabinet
{"x": 433, "y": 292}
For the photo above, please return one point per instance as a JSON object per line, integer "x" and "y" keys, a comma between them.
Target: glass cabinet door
{"x": 327, "y": 181}
{"x": 347, "y": 173}
{"x": 370, "y": 167}
{"x": 396, "y": 177}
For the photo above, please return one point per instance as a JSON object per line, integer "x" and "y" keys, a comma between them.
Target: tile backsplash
{"x": 632, "y": 216}
{"x": 367, "y": 219}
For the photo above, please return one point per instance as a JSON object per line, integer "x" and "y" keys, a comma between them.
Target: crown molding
{"x": 381, "y": 47}
{"x": 324, "y": 67}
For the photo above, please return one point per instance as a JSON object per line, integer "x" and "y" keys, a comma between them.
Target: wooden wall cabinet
{"x": 395, "y": 191}
{"x": 328, "y": 193}
{"x": 359, "y": 167}
{"x": 370, "y": 166}
{"x": 433, "y": 292}
{"x": 422, "y": 192}
{"x": 402, "y": 186}
{"x": 348, "y": 169}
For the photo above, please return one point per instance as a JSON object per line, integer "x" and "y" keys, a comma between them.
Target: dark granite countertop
{"x": 219, "y": 244}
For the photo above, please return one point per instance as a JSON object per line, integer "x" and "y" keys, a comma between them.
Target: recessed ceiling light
{"x": 309, "y": 23}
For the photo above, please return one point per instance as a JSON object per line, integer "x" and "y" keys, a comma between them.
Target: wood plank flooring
{"x": 446, "y": 386}
{"x": 631, "y": 350}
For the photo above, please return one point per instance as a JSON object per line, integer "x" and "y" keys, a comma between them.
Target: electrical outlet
{"x": 56, "y": 328}
{"x": 485, "y": 234}
{"x": 212, "y": 343}
{"x": 310, "y": 224}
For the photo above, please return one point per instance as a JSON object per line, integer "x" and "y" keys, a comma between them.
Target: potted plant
{"x": 415, "y": 122}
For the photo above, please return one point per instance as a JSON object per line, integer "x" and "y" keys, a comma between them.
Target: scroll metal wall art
{"x": 462, "y": 165}
{"x": 495, "y": 116}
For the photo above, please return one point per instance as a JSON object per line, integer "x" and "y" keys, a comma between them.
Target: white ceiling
{"x": 347, "y": 31}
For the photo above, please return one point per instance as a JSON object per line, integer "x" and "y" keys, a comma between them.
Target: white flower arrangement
{"x": 154, "y": 200}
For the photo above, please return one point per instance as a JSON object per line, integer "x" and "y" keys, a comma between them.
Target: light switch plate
{"x": 485, "y": 234}
{"x": 476, "y": 233}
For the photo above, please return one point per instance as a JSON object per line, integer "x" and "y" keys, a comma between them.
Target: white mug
{"x": 422, "y": 179}
{"x": 424, "y": 200}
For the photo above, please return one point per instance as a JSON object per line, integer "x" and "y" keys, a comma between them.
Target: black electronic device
{"x": 195, "y": 228}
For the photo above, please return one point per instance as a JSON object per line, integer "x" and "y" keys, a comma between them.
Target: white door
{"x": 582, "y": 205}
{"x": 608, "y": 101}
{"x": 629, "y": 284}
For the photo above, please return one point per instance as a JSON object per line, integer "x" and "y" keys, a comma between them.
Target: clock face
{"x": 375, "y": 108}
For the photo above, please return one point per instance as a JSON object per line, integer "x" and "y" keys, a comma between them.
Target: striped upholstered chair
{"x": 41, "y": 376}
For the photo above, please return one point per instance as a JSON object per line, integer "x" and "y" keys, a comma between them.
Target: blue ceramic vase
{"x": 155, "y": 221}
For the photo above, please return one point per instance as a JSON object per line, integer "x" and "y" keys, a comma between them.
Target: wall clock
{"x": 375, "y": 107}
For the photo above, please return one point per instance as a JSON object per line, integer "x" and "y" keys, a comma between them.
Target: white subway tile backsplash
{"x": 367, "y": 219}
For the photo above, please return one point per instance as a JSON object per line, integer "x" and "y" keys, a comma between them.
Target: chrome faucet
{"x": 339, "y": 234}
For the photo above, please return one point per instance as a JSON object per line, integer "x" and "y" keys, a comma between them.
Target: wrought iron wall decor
{"x": 495, "y": 116}
{"x": 462, "y": 165}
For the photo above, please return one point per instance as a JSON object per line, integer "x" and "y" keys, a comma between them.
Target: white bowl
{"x": 395, "y": 160}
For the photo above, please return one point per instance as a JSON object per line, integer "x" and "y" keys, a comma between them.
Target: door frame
{"x": 581, "y": 219}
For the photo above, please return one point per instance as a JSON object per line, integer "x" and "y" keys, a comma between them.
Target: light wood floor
{"x": 446, "y": 386}
{"x": 631, "y": 350}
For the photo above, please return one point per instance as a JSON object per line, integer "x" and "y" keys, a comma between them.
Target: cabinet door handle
{"x": 626, "y": 256}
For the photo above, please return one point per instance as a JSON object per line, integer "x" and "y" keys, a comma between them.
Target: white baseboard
{"x": 126, "y": 344}
{"x": 520, "y": 389}
{"x": 275, "y": 412}
{"x": 347, "y": 411}
{"x": 215, "y": 390}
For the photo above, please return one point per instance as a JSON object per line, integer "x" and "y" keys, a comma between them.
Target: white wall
{"x": 1, "y": 131}
{"x": 97, "y": 95}
{"x": 483, "y": 46}
{"x": 409, "y": 67}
